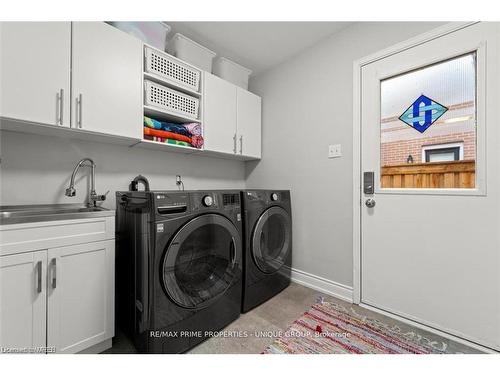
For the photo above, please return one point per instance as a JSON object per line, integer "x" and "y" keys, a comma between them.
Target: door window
{"x": 201, "y": 261}
{"x": 428, "y": 126}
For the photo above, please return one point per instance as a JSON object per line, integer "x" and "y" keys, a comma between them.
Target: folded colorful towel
{"x": 194, "y": 128}
{"x": 175, "y": 128}
{"x": 152, "y": 123}
{"x": 167, "y": 126}
{"x": 166, "y": 134}
{"x": 178, "y": 143}
{"x": 197, "y": 141}
{"x": 169, "y": 141}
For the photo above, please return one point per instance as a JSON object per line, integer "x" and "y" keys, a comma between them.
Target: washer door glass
{"x": 271, "y": 239}
{"x": 201, "y": 261}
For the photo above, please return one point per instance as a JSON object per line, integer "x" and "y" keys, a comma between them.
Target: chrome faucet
{"x": 93, "y": 198}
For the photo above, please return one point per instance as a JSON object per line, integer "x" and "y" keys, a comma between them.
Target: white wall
{"x": 36, "y": 169}
{"x": 307, "y": 105}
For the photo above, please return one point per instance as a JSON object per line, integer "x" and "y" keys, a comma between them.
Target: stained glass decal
{"x": 423, "y": 113}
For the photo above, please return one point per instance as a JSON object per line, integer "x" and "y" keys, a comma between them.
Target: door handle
{"x": 370, "y": 203}
{"x": 241, "y": 144}
{"x": 79, "y": 105}
{"x": 234, "y": 143}
{"x": 54, "y": 273}
{"x": 39, "y": 277}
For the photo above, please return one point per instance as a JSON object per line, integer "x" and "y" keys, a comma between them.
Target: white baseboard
{"x": 322, "y": 285}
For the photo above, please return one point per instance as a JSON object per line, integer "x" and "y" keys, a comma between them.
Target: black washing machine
{"x": 179, "y": 266}
{"x": 267, "y": 245}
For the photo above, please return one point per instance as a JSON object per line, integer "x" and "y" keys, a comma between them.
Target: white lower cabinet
{"x": 23, "y": 298}
{"x": 81, "y": 296}
{"x": 60, "y": 297}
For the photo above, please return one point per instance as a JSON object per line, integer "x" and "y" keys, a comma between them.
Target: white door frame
{"x": 357, "y": 66}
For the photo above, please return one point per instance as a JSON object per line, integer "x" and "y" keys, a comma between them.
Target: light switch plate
{"x": 334, "y": 151}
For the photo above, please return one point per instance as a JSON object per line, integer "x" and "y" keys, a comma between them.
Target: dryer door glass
{"x": 202, "y": 261}
{"x": 271, "y": 239}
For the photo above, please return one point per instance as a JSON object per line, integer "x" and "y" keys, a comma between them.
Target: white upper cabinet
{"x": 35, "y": 71}
{"x": 219, "y": 116}
{"x": 232, "y": 118}
{"x": 249, "y": 123}
{"x": 23, "y": 300}
{"x": 107, "y": 80}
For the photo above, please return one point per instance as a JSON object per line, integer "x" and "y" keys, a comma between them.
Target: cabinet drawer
{"x": 19, "y": 238}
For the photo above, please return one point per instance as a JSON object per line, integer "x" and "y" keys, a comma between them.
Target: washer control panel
{"x": 205, "y": 200}
{"x": 168, "y": 203}
{"x": 274, "y": 197}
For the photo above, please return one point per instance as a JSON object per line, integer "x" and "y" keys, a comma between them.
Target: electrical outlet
{"x": 334, "y": 151}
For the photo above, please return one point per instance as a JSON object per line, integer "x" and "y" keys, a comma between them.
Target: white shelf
{"x": 153, "y": 145}
{"x": 171, "y": 84}
{"x": 166, "y": 147}
{"x": 165, "y": 115}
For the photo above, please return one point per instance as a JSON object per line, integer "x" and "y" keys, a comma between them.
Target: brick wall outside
{"x": 393, "y": 153}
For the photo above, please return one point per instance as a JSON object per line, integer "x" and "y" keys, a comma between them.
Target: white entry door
{"x": 430, "y": 133}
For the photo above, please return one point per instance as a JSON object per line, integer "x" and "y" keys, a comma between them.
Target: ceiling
{"x": 258, "y": 46}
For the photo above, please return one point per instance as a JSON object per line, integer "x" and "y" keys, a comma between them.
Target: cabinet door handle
{"x": 54, "y": 273}
{"x": 234, "y": 143}
{"x": 60, "y": 103}
{"x": 80, "y": 110}
{"x": 61, "y": 107}
{"x": 39, "y": 277}
{"x": 241, "y": 144}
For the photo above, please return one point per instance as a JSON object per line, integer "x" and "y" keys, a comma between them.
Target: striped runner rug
{"x": 329, "y": 328}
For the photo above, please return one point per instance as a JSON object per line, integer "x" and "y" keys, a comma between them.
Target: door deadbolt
{"x": 370, "y": 203}
{"x": 368, "y": 181}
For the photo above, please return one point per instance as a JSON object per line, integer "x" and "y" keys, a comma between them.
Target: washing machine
{"x": 179, "y": 266}
{"x": 267, "y": 245}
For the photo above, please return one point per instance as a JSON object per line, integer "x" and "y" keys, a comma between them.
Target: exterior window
{"x": 443, "y": 152}
{"x": 428, "y": 126}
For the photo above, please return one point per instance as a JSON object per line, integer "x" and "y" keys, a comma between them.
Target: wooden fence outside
{"x": 447, "y": 174}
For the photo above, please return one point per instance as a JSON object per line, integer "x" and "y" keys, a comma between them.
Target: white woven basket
{"x": 172, "y": 69}
{"x": 173, "y": 101}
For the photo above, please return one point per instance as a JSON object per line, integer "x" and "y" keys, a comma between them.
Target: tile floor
{"x": 276, "y": 315}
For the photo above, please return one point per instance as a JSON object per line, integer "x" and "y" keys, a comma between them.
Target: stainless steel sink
{"x": 34, "y": 213}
